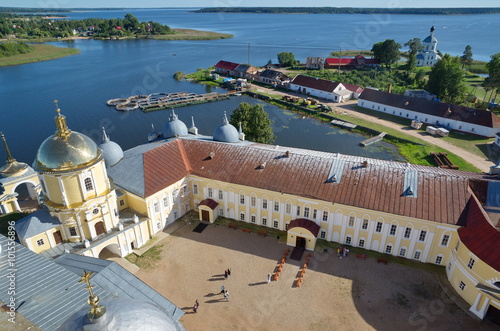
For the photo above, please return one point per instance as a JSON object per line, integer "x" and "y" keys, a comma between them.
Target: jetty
{"x": 161, "y": 100}
{"x": 372, "y": 140}
{"x": 343, "y": 124}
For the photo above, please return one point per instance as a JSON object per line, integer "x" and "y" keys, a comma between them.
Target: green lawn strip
{"x": 41, "y": 52}
{"x": 5, "y": 219}
{"x": 148, "y": 259}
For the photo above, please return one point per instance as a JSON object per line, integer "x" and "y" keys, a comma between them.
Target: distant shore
{"x": 41, "y": 52}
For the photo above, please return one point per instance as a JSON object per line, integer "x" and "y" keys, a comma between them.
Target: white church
{"x": 429, "y": 55}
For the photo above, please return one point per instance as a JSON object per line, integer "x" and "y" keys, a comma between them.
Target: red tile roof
{"x": 444, "y": 110}
{"x": 226, "y": 65}
{"x": 442, "y": 193}
{"x": 306, "y": 224}
{"x": 342, "y": 61}
{"x": 479, "y": 235}
{"x": 209, "y": 203}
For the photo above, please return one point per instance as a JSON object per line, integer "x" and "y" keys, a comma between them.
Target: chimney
{"x": 287, "y": 154}
{"x": 365, "y": 164}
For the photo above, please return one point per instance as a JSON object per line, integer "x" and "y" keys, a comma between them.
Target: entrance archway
{"x": 27, "y": 197}
{"x": 109, "y": 252}
{"x": 302, "y": 233}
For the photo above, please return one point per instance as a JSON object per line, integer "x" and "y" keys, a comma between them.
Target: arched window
{"x": 88, "y": 184}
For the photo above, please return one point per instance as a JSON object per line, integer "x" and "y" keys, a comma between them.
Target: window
{"x": 348, "y": 240}
{"x": 457, "y": 245}
{"x": 221, "y": 195}
{"x": 88, "y": 184}
{"x": 264, "y": 203}
{"x": 423, "y": 233}
{"x": 156, "y": 207}
{"x": 210, "y": 192}
{"x": 388, "y": 249}
{"x": 416, "y": 256}
{"x": 351, "y": 221}
{"x": 365, "y": 224}
{"x": 165, "y": 202}
{"x": 286, "y": 227}
{"x": 407, "y": 233}
{"x": 276, "y": 224}
{"x": 72, "y": 231}
{"x": 462, "y": 286}
{"x": 264, "y": 221}
{"x": 361, "y": 243}
{"x": 325, "y": 216}
{"x": 471, "y": 263}
{"x": 298, "y": 210}
{"x": 379, "y": 227}
{"x": 242, "y": 216}
{"x": 195, "y": 189}
{"x": 184, "y": 190}
{"x": 122, "y": 202}
{"x": 322, "y": 234}
{"x": 392, "y": 232}
{"x": 288, "y": 209}
{"x": 242, "y": 199}
{"x": 252, "y": 219}
{"x": 253, "y": 201}
{"x": 402, "y": 251}
{"x": 306, "y": 212}
{"x": 315, "y": 213}
{"x": 439, "y": 259}
{"x": 444, "y": 241}
{"x": 221, "y": 212}
{"x": 276, "y": 206}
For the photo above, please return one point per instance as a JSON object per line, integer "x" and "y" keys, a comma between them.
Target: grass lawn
{"x": 42, "y": 52}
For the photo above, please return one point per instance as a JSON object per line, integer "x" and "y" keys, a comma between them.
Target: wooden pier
{"x": 372, "y": 140}
{"x": 343, "y": 124}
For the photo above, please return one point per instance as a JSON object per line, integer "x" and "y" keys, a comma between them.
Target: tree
{"x": 446, "y": 80}
{"x": 387, "y": 52}
{"x": 287, "y": 59}
{"x": 415, "y": 47}
{"x": 255, "y": 123}
{"x": 466, "y": 58}
{"x": 493, "y": 79}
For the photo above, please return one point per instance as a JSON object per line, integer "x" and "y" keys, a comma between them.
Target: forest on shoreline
{"x": 350, "y": 10}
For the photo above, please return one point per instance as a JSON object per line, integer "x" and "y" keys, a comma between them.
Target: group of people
{"x": 223, "y": 291}
{"x": 342, "y": 252}
{"x": 227, "y": 273}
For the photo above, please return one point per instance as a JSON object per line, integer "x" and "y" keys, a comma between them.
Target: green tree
{"x": 387, "y": 52}
{"x": 414, "y": 47}
{"x": 287, "y": 59}
{"x": 446, "y": 80}
{"x": 466, "y": 58}
{"x": 255, "y": 123}
{"x": 130, "y": 23}
{"x": 493, "y": 79}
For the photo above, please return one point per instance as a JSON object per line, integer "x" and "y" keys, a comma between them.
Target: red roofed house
{"x": 226, "y": 68}
{"x": 359, "y": 61}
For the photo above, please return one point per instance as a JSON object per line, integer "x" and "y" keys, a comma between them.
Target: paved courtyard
{"x": 347, "y": 294}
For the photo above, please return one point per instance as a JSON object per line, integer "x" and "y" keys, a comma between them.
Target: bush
{"x": 14, "y": 48}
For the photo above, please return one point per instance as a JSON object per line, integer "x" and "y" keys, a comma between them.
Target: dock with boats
{"x": 161, "y": 100}
{"x": 372, "y": 140}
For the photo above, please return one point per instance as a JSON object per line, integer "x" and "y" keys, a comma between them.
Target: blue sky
{"x": 245, "y": 3}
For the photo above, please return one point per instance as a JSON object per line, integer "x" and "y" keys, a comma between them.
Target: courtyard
{"x": 349, "y": 293}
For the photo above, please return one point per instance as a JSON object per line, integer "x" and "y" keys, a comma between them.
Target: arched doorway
{"x": 27, "y": 197}
{"x": 302, "y": 233}
{"x": 110, "y": 252}
{"x": 99, "y": 228}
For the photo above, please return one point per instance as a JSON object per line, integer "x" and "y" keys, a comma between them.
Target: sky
{"x": 246, "y": 3}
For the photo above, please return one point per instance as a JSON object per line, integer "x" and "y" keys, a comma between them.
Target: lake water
{"x": 109, "y": 69}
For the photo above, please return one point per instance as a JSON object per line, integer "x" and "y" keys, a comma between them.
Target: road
{"x": 481, "y": 163}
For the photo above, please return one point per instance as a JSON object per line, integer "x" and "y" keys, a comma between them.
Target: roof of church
{"x": 442, "y": 193}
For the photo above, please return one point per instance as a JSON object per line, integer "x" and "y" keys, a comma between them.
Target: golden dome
{"x": 66, "y": 150}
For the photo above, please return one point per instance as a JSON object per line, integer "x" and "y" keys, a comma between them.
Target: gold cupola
{"x": 66, "y": 150}
{"x": 12, "y": 167}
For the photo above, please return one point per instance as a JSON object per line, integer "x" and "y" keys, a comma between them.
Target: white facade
{"x": 449, "y": 124}
{"x": 339, "y": 94}
{"x": 429, "y": 55}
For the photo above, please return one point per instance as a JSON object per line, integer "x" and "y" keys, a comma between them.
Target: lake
{"x": 109, "y": 69}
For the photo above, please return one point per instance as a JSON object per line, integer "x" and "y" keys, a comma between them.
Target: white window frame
{"x": 445, "y": 240}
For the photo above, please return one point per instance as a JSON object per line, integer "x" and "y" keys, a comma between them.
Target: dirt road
{"x": 480, "y": 162}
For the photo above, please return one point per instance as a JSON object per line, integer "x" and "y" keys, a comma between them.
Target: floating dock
{"x": 343, "y": 124}
{"x": 160, "y": 100}
{"x": 372, "y": 140}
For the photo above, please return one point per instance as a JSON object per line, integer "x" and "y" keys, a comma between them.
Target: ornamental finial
{"x": 96, "y": 311}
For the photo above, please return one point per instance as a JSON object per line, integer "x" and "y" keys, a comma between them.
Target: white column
{"x": 80, "y": 227}
{"x": 50, "y": 237}
{"x": 428, "y": 244}
{"x": 16, "y": 206}
{"x": 63, "y": 192}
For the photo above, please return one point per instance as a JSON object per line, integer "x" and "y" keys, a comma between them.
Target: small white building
{"x": 326, "y": 89}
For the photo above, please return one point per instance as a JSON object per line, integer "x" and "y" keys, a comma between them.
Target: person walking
{"x": 196, "y": 305}
{"x": 222, "y": 289}
{"x": 226, "y": 295}
{"x": 268, "y": 278}
{"x": 229, "y": 271}
{"x": 226, "y": 274}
